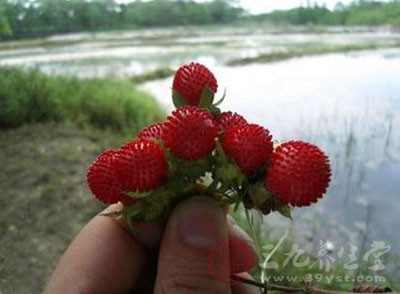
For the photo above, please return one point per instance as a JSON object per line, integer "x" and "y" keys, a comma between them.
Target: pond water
{"x": 349, "y": 104}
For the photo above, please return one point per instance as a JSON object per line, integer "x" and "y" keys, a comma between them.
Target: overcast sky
{"x": 259, "y": 6}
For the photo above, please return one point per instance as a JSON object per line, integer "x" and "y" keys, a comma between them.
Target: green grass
{"x": 51, "y": 129}
{"x": 28, "y": 96}
{"x": 159, "y": 73}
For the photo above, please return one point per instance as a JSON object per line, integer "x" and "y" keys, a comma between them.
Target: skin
{"x": 164, "y": 258}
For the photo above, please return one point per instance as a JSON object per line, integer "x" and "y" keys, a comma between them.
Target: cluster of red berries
{"x": 200, "y": 149}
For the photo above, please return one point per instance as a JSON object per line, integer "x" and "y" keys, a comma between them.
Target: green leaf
{"x": 285, "y": 210}
{"x": 137, "y": 195}
{"x": 220, "y": 100}
{"x": 149, "y": 208}
{"x": 258, "y": 193}
{"x": 220, "y": 153}
{"x": 215, "y": 111}
{"x": 191, "y": 170}
{"x": 178, "y": 100}
{"x": 130, "y": 213}
{"x": 226, "y": 171}
{"x": 207, "y": 98}
{"x": 231, "y": 176}
{"x": 266, "y": 202}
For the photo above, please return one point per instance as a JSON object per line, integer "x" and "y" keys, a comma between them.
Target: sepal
{"x": 207, "y": 98}
{"x": 178, "y": 100}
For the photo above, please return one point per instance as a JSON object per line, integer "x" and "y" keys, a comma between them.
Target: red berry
{"x": 229, "y": 119}
{"x": 103, "y": 180}
{"x": 153, "y": 131}
{"x": 190, "y": 133}
{"x": 250, "y": 146}
{"x": 142, "y": 166}
{"x": 191, "y": 80}
{"x": 299, "y": 173}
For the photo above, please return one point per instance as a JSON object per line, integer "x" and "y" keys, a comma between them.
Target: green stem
{"x": 256, "y": 241}
{"x": 264, "y": 265}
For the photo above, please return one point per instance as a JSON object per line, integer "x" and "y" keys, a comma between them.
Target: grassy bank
{"x": 52, "y": 128}
{"x": 32, "y": 97}
{"x": 276, "y": 56}
{"x": 159, "y": 73}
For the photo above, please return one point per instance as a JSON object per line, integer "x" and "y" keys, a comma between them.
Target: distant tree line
{"x": 42, "y": 17}
{"x": 22, "y": 18}
{"x": 4, "y": 26}
{"x": 361, "y": 12}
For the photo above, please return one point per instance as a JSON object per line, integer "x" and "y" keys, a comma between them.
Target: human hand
{"x": 106, "y": 258}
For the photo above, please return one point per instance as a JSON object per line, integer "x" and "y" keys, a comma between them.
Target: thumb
{"x": 194, "y": 229}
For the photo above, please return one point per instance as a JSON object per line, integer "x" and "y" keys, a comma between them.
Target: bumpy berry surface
{"x": 229, "y": 119}
{"x": 190, "y": 133}
{"x": 142, "y": 166}
{"x": 153, "y": 131}
{"x": 191, "y": 80}
{"x": 299, "y": 173}
{"x": 250, "y": 146}
{"x": 103, "y": 180}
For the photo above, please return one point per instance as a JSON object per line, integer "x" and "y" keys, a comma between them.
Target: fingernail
{"x": 112, "y": 209}
{"x": 201, "y": 223}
